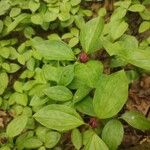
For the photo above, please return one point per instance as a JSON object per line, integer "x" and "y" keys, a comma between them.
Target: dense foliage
{"x": 52, "y": 82}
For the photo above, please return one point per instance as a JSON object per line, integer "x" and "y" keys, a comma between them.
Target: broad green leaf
{"x": 58, "y": 117}
{"x": 33, "y": 5}
{"x": 51, "y": 73}
{"x": 53, "y": 50}
{"x": 124, "y": 4}
{"x": 86, "y": 106}
{"x": 144, "y": 26}
{"x": 76, "y": 138}
{"x": 59, "y": 93}
{"x": 90, "y": 40}
{"x": 137, "y": 57}
{"x": 37, "y": 101}
{"x": 14, "y": 24}
{"x": 23, "y": 137}
{"x": 110, "y": 95}
{"x": 81, "y": 93}
{"x": 41, "y": 133}
{"x": 116, "y": 33}
{"x": 3, "y": 82}
{"x": 19, "y": 98}
{"x": 136, "y": 120}
{"x": 89, "y": 72}
{"x": 37, "y": 19}
{"x": 95, "y": 143}
{"x": 145, "y": 14}
{"x": 4, "y": 5}
{"x": 137, "y": 8}
{"x": 73, "y": 42}
{"x": 51, "y": 139}
{"x": 66, "y": 75}
{"x": 32, "y": 143}
{"x": 15, "y": 11}
{"x": 16, "y": 126}
{"x": 112, "y": 134}
{"x": 118, "y": 14}
{"x": 75, "y": 2}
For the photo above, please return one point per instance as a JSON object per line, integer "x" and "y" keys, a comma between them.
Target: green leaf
{"x": 51, "y": 139}
{"x": 4, "y": 5}
{"x": 33, "y": 5}
{"x": 136, "y": 120}
{"x": 51, "y": 73}
{"x": 137, "y": 8}
{"x": 73, "y": 42}
{"x": 89, "y": 73}
{"x": 110, "y": 95}
{"x": 53, "y": 50}
{"x": 90, "y": 40}
{"x": 1, "y": 26}
{"x": 37, "y": 101}
{"x": 16, "y": 126}
{"x": 86, "y": 106}
{"x": 14, "y": 24}
{"x": 75, "y": 2}
{"x": 32, "y": 143}
{"x": 19, "y": 98}
{"x": 112, "y": 134}
{"x": 118, "y": 14}
{"x": 95, "y": 143}
{"x": 58, "y": 117}
{"x": 144, "y": 26}
{"x": 59, "y": 93}
{"x": 116, "y": 33}
{"x": 15, "y": 11}
{"x": 76, "y": 138}
{"x": 37, "y": 19}
{"x": 66, "y": 75}
{"x": 81, "y": 93}
{"x": 3, "y": 82}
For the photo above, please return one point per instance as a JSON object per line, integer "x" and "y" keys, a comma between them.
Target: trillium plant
{"x": 52, "y": 82}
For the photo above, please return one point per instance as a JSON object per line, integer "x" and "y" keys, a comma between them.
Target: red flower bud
{"x": 93, "y": 122}
{"x": 83, "y": 57}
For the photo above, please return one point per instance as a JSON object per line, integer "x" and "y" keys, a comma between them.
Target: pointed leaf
{"x": 95, "y": 143}
{"x": 110, "y": 95}
{"x": 76, "y": 138}
{"x": 112, "y": 134}
{"x": 59, "y": 93}
{"x": 89, "y": 73}
{"x": 58, "y": 117}
{"x": 53, "y": 50}
{"x": 16, "y": 126}
{"x": 136, "y": 120}
{"x": 90, "y": 40}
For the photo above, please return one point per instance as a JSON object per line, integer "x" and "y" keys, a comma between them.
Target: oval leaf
{"x": 53, "y": 50}
{"x": 3, "y": 82}
{"x": 136, "y": 120}
{"x": 112, "y": 134}
{"x": 16, "y": 126}
{"x": 76, "y": 138}
{"x": 59, "y": 93}
{"x": 110, "y": 95}
{"x": 58, "y": 117}
{"x": 89, "y": 73}
{"x": 95, "y": 143}
{"x": 90, "y": 40}
{"x": 51, "y": 139}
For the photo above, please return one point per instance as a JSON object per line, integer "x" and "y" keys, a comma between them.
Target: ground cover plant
{"x": 68, "y": 71}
